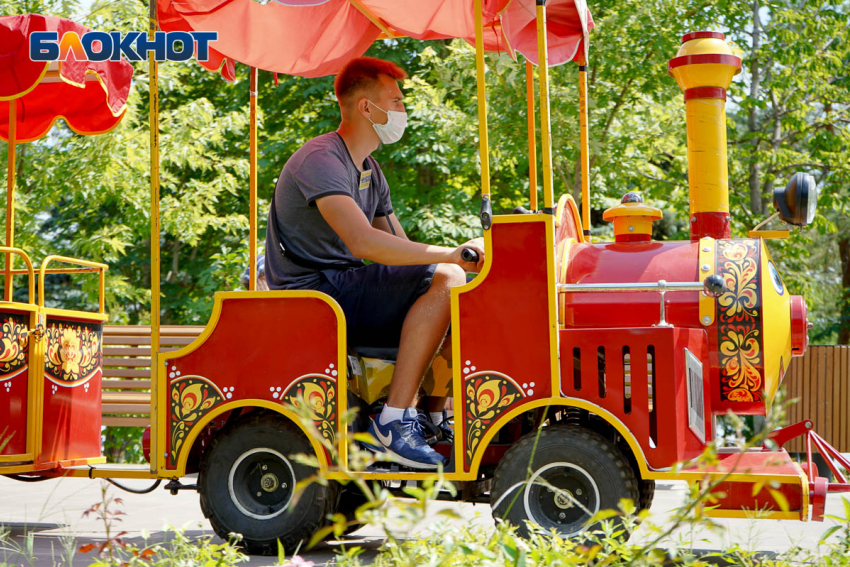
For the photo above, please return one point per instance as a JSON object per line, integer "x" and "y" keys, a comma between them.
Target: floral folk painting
{"x": 488, "y": 395}
{"x": 318, "y": 394}
{"x": 73, "y": 351}
{"x": 14, "y": 346}
{"x": 739, "y": 322}
{"x": 191, "y": 398}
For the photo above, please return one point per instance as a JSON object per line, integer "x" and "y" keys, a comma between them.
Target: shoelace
{"x": 412, "y": 432}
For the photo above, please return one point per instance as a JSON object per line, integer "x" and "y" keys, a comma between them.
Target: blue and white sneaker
{"x": 405, "y": 440}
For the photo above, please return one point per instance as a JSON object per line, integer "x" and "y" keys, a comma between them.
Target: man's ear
{"x": 364, "y": 108}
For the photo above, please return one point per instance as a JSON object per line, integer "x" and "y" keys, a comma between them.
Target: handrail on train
{"x": 98, "y": 267}
{"x": 713, "y": 286}
{"x": 29, "y": 271}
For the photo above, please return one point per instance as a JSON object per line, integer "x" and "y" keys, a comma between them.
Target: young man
{"x": 331, "y": 210}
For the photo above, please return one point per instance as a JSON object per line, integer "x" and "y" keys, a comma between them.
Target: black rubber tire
{"x": 293, "y": 525}
{"x": 647, "y": 493}
{"x": 350, "y": 499}
{"x": 590, "y": 461}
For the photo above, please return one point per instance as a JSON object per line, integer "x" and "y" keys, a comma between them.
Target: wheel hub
{"x": 261, "y": 483}
{"x": 269, "y": 482}
{"x": 561, "y": 496}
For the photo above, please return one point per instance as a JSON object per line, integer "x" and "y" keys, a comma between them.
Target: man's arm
{"x": 369, "y": 243}
{"x": 382, "y": 223}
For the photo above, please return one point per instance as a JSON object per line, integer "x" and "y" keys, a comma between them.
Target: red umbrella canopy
{"x": 314, "y": 38}
{"x": 90, "y": 96}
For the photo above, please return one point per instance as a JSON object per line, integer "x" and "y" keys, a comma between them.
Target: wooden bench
{"x": 127, "y": 370}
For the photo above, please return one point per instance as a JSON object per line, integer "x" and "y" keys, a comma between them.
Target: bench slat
{"x": 126, "y": 398}
{"x": 125, "y": 351}
{"x": 132, "y": 362}
{"x": 112, "y": 421}
{"x": 164, "y": 331}
{"x": 126, "y": 385}
{"x": 141, "y": 340}
{"x": 142, "y": 409}
{"x": 126, "y": 373}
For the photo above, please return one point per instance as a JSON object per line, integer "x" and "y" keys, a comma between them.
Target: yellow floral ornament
{"x": 191, "y": 398}
{"x": 488, "y": 395}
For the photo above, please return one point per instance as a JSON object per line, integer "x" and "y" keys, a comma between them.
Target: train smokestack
{"x": 703, "y": 68}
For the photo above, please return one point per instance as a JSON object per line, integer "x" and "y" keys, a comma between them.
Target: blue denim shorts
{"x": 376, "y": 299}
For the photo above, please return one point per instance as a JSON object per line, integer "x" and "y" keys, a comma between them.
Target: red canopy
{"x": 90, "y": 96}
{"x": 313, "y": 38}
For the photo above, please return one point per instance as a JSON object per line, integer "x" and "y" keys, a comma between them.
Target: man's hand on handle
{"x": 465, "y": 255}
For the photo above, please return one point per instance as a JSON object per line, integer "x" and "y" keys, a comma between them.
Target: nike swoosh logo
{"x": 386, "y": 440}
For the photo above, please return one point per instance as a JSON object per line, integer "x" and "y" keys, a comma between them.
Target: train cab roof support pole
{"x": 252, "y": 184}
{"x": 483, "y": 142}
{"x": 10, "y": 199}
{"x": 585, "y": 148}
{"x": 156, "y": 395}
{"x": 545, "y": 126}
{"x": 532, "y": 135}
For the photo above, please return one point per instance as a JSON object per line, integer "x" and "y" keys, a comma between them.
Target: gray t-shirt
{"x": 319, "y": 168}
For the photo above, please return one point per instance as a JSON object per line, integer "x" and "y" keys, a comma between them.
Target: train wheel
{"x": 350, "y": 499}
{"x": 574, "y": 474}
{"x": 647, "y": 493}
{"x": 247, "y": 485}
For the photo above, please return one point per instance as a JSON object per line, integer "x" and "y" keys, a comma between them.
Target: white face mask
{"x": 392, "y": 131}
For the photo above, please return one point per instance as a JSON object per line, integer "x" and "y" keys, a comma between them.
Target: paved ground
{"x": 53, "y": 511}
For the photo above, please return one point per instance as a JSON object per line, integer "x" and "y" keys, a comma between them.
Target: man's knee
{"x": 448, "y": 275}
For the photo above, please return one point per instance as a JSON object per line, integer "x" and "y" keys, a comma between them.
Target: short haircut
{"x": 362, "y": 74}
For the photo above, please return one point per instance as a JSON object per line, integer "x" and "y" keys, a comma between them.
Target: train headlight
{"x": 797, "y": 202}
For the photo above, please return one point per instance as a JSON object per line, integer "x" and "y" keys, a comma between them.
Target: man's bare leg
{"x": 422, "y": 334}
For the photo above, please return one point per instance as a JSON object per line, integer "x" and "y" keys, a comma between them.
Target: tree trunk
{"x": 752, "y": 122}
{"x": 775, "y": 144}
{"x": 844, "y": 320}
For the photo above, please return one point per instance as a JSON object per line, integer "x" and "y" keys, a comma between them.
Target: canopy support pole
{"x": 483, "y": 142}
{"x": 585, "y": 148}
{"x": 10, "y": 198}
{"x": 545, "y": 126}
{"x": 532, "y": 134}
{"x": 252, "y": 185}
{"x": 157, "y": 405}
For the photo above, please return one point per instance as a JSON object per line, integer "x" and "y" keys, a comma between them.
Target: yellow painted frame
{"x": 160, "y": 418}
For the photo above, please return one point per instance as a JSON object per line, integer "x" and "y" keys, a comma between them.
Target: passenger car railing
{"x": 87, "y": 267}
{"x": 29, "y": 271}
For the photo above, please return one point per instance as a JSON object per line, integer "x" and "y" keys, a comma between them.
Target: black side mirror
{"x": 797, "y": 201}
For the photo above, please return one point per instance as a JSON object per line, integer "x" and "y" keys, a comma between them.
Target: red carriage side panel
{"x": 641, "y": 377}
{"x": 504, "y": 331}
{"x": 71, "y": 415}
{"x": 14, "y": 382}
{"x": 277, "y": 349}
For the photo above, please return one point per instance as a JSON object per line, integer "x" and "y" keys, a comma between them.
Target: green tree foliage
{"x": 788, "y": 110}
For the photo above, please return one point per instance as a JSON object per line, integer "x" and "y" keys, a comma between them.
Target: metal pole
{"x": 252, "y": 186}
{"x": 545, "y": 126}
{"x": 585, "y": 149}
{"x": 483, "y": 143}
{"x": 532, "y": 134}
{"x": 156, "y": 393}
{"x": 10, "y": 198}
